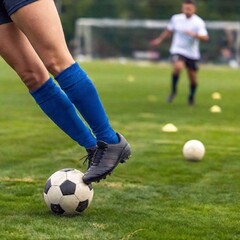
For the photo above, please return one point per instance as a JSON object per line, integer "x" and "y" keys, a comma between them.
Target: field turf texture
{"x": 156, "y": 195}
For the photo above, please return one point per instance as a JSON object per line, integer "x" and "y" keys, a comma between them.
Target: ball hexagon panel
{"x": 75, "y": 176}
{"x": 54, "y": 194}
{"x": 46, "y": 199}
{"x": 69, "y": 203}
{"x": 58, "y": 178}
{"x": 83, "y": 192}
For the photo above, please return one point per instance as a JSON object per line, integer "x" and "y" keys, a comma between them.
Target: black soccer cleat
{"x": 171, "y": 97}
{"x": 191, "y": 101}
{"x": 106, "y": 159}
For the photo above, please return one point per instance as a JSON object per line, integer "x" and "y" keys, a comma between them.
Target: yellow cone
{"x": 215, "y": 109}
{"x": 216, "y": 96}
{"x": 131, "y": 78}
{"x": 169, "y": 128}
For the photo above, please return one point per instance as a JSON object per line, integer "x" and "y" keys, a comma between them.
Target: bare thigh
{"x": 42, "y": 26}
{"x": 20, "y": 55}
{"x": 178, "y": 66}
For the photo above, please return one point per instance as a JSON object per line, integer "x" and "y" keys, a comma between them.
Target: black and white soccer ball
{"x": 66, "y": 194}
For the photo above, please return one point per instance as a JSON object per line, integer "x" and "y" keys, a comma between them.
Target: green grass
{"x": 157, "y": 194}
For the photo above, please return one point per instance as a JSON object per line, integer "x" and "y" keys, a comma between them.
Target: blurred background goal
{"x": 129, "y": 39}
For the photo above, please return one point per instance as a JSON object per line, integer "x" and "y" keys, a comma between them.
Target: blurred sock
{"x": 175, "y": 78}
{"x": 193, "y": 88}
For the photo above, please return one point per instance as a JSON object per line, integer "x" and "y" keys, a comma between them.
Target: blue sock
{"x": 54, "y": 102}
{"x": 82, "y": 93}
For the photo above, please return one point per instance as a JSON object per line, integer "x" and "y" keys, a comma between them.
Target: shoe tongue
{"x": 101, "y": 144}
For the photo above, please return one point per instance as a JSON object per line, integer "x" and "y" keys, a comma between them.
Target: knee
{"x": 56, "y": 65}
{"x": 32, "y": 79}
{"x": 53, "y": 66}
{"x": 177, "y": 71}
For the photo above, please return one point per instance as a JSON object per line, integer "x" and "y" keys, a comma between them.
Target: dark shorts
{"x": 190, "y": 63}
{"x": 8, "y": 7}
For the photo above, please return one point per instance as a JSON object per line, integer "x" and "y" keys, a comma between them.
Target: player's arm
{"x": 202, "y": 37}
{"x": 198, "y": 36}
{"x": 164, "y": 35}
{"x": 201, "y": 33}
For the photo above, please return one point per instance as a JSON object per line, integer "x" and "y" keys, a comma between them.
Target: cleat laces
{"x": 89, "y": 157}
{"x": 101, "y": 149}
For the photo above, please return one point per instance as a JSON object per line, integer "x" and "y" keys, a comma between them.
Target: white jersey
{"x": 182, "y": 43}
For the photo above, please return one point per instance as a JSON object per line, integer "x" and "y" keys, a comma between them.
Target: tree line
{"x": 70, "y": 10}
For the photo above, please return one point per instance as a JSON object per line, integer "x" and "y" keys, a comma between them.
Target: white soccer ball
{"x": 193, "y": 150}
{"x": 66, "y": 194}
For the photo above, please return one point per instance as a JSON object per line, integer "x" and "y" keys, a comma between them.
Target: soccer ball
{"x": 193, "y": 150}
{"x": 66, "y": 194}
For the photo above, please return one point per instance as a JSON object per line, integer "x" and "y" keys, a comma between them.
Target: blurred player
{"x": 188, "y": 29}
{"x": 32, "y": 42}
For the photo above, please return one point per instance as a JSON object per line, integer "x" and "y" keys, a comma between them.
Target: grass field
{"x": 157, "y": 194}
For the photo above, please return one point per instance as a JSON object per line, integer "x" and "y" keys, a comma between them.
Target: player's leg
{"x": 19, "y": 54}
{"x": 40, "y": 23}
{"x": 178, "y": 64}
{"x": 192, "y": 69}
{"x": 192, "y": 74}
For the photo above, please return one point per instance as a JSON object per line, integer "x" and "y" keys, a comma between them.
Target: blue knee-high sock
{"x": 82, "y": 93}
{"x": 54, "y": 102}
